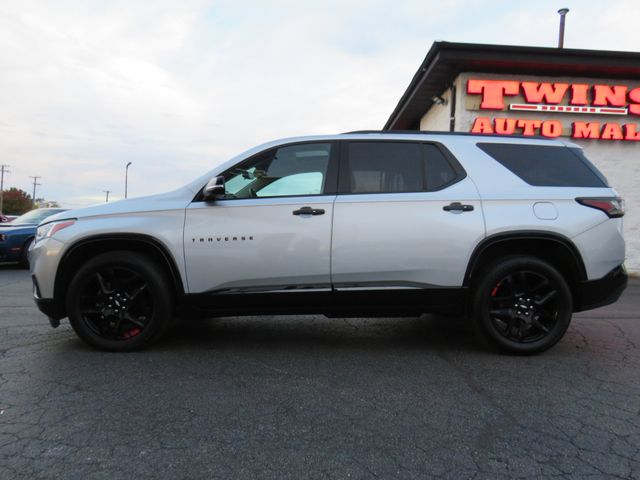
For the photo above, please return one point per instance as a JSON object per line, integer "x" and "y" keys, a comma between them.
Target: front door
{"x": 272, "y": 231}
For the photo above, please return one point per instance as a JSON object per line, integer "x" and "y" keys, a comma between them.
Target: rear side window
{"x": 546, "y": 166}
{"x": 439, "y": 171}
{"x": 396, "y": 167}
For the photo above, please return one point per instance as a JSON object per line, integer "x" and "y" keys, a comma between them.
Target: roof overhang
{"x": 445, "y": 61}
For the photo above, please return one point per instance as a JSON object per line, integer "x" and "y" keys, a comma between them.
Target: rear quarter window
{"x": 545, "y": 165}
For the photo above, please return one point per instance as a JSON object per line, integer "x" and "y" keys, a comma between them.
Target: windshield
{"x": 36, "y": 216}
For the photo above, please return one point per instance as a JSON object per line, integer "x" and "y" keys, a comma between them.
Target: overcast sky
{"x": 177, "y": 87}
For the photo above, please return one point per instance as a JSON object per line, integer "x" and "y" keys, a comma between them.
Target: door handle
{"x": 309, "y": 211}
{"x": 457, "y": 207}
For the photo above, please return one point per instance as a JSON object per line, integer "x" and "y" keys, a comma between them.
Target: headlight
{"x": 49, "y": 229}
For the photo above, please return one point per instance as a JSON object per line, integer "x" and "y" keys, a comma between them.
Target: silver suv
{"x": 517, "y": 233}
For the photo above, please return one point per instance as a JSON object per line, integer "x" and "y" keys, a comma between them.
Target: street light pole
{"x": 107, "y": 192}
{"x": 126, "y": 179}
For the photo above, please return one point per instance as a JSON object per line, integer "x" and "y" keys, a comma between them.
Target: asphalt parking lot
{"x": 310, "y": 397}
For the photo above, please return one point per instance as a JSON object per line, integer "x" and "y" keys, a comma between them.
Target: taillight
{"x": 612, "y": 206}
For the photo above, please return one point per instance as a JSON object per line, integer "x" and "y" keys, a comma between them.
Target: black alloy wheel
{"x": 115, "y": 303}
{"x": 119, "y": 301}
{"x": 523, "y": 305}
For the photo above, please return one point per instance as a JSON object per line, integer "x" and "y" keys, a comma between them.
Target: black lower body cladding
{"x": 604, "y": 291}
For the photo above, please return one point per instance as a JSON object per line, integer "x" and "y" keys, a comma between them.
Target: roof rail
{"x": 436, "y": 132}
{"x": 406, "y": 132}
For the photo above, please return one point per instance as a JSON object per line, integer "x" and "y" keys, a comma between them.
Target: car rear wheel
{"x": 120, "y": 301}
{"x": 522, "y": 305}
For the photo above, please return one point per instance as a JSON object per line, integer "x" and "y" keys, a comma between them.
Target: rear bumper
{"x": 604, "y": 291}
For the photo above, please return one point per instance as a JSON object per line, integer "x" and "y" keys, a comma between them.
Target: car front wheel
{"x": 522, "y": 305}
{"x": 119, "y": 301}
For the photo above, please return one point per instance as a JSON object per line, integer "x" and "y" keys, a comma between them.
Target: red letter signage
{"x": 631, "y": 132}
{"x": 535, "y": 92}
{"x": 604, "y": 95}
{"x": 586, "y": 130}
{"x": 611, "y": 131}
{"x": 551, "y": 128}
{"x": 579, "y": 93}
{"x": 634, "y": 96}
{"x": 493, "y": 92}
{"x": 529, "y": 127}
{"x": 553, "y": 99}
{"x": 482, "y": 125}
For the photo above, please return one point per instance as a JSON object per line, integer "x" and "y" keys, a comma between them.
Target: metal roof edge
{"x": 442, "y": 47}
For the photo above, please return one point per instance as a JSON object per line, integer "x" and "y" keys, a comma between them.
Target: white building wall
{"x": 438, "y": 116}
{"x": 618, "y": 160}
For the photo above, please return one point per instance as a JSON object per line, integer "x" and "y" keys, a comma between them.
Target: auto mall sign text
{"x": 557, "y": 98}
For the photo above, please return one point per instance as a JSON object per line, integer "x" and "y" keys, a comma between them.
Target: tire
{"x": 120, "y": 301}
{"x": 522, "y": 305}
{"x": 24, "y": 254}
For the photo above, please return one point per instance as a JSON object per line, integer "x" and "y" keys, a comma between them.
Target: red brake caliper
{"x": 132, "y": 333}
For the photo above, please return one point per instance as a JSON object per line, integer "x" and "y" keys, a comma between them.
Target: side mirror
{"x": 214, "y": 189}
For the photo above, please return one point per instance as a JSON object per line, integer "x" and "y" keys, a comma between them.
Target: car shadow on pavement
{"x": 294, "y": 332}
{"x": 11, "y": 266}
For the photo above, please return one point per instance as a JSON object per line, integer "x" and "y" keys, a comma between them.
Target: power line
{"x": 107, "y": 192}
{"x": 35, "y": 184}
{"x": 3, "y": 170}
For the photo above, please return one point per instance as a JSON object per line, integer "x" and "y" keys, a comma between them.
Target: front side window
{"x": 396, "y": 167}
{"x": 286, "y": 171}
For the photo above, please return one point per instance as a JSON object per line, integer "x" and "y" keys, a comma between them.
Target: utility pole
{"x": 107, "y": 192}
{"x": 3, "y": 170}
{"x": 35, "y": 184}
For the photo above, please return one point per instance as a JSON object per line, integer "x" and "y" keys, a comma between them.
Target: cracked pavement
{"x": 311, "y": 397}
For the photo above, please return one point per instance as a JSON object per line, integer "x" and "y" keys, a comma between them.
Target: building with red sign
{"x": 588, "y": 97}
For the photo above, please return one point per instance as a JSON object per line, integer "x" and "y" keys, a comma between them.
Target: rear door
{"x": 406, "y": 218}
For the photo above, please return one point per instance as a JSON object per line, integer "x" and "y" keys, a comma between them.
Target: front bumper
{"x": 48, "y": 306}
{"x": 44, "y": 258}
{"x": 604, "y": 291}
{"x": 51, "y": 310}
{"x": 9, "y": 252}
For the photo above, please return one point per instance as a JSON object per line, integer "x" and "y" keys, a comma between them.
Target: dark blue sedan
{"x": 16, "y": 236}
